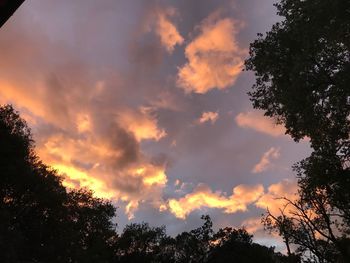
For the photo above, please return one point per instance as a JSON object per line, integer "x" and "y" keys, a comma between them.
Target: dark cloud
{"x": 125, "y": 143}
{"x": 127, "y": 183}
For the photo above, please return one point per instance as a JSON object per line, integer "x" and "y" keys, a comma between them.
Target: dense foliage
{"x": 42, "y": 221}
{"x": 302, "y": 68}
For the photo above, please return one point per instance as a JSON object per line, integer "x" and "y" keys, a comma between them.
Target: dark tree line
{"x": 302, "y": 68}
{"x": 41, "y": 221}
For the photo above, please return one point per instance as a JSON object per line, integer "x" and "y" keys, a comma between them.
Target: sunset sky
{"x": 145, "y": 103}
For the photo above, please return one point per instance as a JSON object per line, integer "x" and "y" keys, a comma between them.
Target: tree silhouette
{"x": 194, "y": 246}
{"x": 40, "y": 221}
{"x": 140, "y": 243}
{"x": 236, "y": 245}
{"x": 302, "y": 69}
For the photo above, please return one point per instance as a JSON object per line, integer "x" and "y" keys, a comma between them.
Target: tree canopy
{"x": 302, "y": 69}
{"x": 40, "y": 221}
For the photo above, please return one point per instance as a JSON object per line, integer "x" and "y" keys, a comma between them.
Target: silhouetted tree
{"x": 310, "y": 225}
{"x": 236, "y": 245}
{"x": 40, "y": 221}
{"x": 302, "y": 69}
{"x": 140, "y": 243}
{"x": 194, "y": 246}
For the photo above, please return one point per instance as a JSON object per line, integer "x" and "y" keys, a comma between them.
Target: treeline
{"x": 42, "y": 221}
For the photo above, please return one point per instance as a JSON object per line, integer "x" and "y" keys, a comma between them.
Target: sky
{"x": 145, "y": 103}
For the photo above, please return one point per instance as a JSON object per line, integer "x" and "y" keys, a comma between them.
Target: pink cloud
{"x": 167, "y": 31}
{"x": 214, "y": 57}
{"x": 266, "y": 160}
{"x": 273, "y": 198}
{"x": 208, "y": 116}
{"x": 255, "y": 120}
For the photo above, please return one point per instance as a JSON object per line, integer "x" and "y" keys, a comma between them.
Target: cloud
{"x": 167, "y": 100}
{"x": 214, "y": 58}
{"x": 83, "y": 121}
{"x": 75, "y": 178}
{"x": 113, "y": 167}
{"x": 265, "y": 161}
{"x": 208, "y": 116}
{"x": 252, "y": 225}
{"x": 272, "y": 198}
{"x": 203, "y": 196}
{"x": 257, "y": 121}
{"x": 141, "y": 123}
{"x": 166, "y": 30}
{"x": 158, "y": 20}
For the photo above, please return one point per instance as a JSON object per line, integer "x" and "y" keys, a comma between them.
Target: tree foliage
{"x": 142, "y": 243}
{"x": 302, "y": 68}
{"x": 40, "y": 221}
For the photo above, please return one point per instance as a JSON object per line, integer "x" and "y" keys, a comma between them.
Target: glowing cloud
{"x": 265, "y": 161}
{"x": 257, "y": 121}
{"x": 142, "y": 124}
{"x": 203, "y": 196}
{"x": 138, "y": 182}
{"x": 152, "y": 175}
{"x": 166, "y": 30}
{"x": 272, "y": 199}
{"x": 208, "y": 116}
{"x": 214, "y": 58}
{"x": 83, "y": 123}
{"x": 75, "y": 178}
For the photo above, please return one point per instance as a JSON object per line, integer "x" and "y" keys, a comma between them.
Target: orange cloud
{"x": 203, "y": 196}
{"x": 75, "y": 178}
{"x": 209, "y": 116}
{"x": 265, "y": 161}
{"x": 252, "y": 225}
{"x": 75, "y": 134}
{"x": 112, "y": 170}
{"x": 214, "y": 58}
{"x": 272, "y": 199}
{"x": 257, "y": 121}
{"x": 151, "y": 180}
{"x": 151, "y": 175}
{"x": 142, "y": 124}
{"x": 83, "y": 123}
{"x": 10, "y": 92}
{"x": 91, "y": 147}
{"x": 166, "y": 30}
